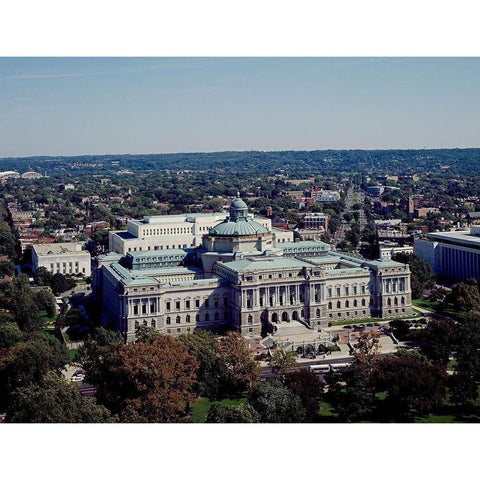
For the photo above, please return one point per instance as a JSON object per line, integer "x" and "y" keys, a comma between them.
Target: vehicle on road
{"x": 322, "y": 368}
{"x": 338, "y": 367}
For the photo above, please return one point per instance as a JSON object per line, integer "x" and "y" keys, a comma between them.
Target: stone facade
{"x": 247, "y": 286}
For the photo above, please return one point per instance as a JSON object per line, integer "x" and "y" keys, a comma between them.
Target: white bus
{"x": 322, "y": 368}
{"x": 337, "y": 367}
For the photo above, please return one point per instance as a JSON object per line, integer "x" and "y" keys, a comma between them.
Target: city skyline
{"x": 77, "y": 106}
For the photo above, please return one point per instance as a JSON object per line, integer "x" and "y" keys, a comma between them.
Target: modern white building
{"x": 452, "y": 255}
{"x": 65, "y": 258}
{"x": 241, "y": 277}
{"x": 167, "y": 232}
{"x": 164, "y": 232}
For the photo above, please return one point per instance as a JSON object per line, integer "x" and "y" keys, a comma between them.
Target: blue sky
{"x": 74, "y": 106}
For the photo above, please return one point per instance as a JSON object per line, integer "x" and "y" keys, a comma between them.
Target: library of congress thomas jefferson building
{"x": 244, "y": 275}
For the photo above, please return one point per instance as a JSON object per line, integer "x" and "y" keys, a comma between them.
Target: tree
{"x": 308, "y": 387}
{"x": 42, "y": 277}
{"x": 10, "y": 334}
{"x": 400, "y": 328}
{"x": 204, "y": 347}
{"x": 280, "y": 362}
{"x": 366, "y": 350}
{"x": 28, "y": 362}
{"x": 45, "y": 301}
{"x": 145, "y": 334}
{"x": 467, "y": 371}
{"x": 59, "y": 283}
{"x": 350, "y": 393}
{"x": 20, "y": 300}
{"x": 465, "y": 296}
{"x": 239, "y": 371}
{"x": 219, "y": 413}
{"x": 145, "y": 381}
{"x": 412, "y": 383}
{"x": 438, "y": 340}
{"x": 55, "y": 400}
{"x": 276, "y": 403}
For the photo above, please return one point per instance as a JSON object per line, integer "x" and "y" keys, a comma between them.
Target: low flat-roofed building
{"x": 65, "y": 258}
{"x": 452, "y": 255}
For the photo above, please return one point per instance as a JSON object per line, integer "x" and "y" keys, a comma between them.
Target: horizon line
{"x": 238, "y": 151}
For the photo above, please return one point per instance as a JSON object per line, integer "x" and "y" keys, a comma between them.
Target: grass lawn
{"x": 326, "y": 412}
{"x": 372, "y": 320}
{"x": 73, "y": 354}
{"x": 426, "y": 304}
{"x": 46, "y": 318}
{"x": 201, "y": 406}
{"x": 48, "y": 332}
{"x": 436, "y": 419}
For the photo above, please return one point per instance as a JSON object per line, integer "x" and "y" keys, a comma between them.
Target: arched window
{"x": 187, "y": 318}
{"x": 347, "y": 304}
{"x": 355, "y": 303}
{"x": 329, "y": 305}
{"x": 339, "y": 305}
{"x": 318, "y": 312}
{"x": 402, "y": 300}
{"x": 178, "y": 319}
{"x": 168, "y": 321}
{"x": 389, "y": 302}
{"x": 207, "y": 317}
{"x": 250, "y": 319}
{"x": 395, "y": 301}
{"x": 363, "y": 302}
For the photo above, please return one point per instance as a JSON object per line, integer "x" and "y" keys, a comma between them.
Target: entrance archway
{"x": 275, "y": 317}
{"x": 285, "y": 317}
{"x": 295, "y": 315}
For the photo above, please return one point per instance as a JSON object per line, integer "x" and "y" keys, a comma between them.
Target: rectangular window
{"x": 354, "y": 290}
{"x": 144, "y": 309}
{"x": 338, "y": 291}
{"x": 197, "y": 303}
{"x": 187, "y": 304}
{"x": 152, "y": 308}
{"x": 177, "y": 305}
{"x": 135, "y": 309}
{"x": 167, "y": 306}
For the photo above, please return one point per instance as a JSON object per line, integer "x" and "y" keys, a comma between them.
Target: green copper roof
{"x": 239, "y": 227}
{"x": 238, "y": 224}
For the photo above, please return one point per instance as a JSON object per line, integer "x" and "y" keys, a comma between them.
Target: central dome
{"x": 238, "y": 223}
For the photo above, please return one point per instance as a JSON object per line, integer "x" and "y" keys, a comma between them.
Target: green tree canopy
{"x": 219, "y": 413}
{"x": 55, "y": 400}
{"x": 276, "y": 403}
{"x": 10, "y": 334}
